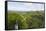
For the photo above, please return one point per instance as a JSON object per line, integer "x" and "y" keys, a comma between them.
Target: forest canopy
{"x": 26, "y": 20}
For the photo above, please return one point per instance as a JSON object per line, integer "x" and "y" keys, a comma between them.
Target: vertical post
{"x": 16, "y": 25}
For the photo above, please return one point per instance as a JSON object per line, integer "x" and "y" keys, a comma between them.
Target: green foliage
{"x": 34, "y": 19}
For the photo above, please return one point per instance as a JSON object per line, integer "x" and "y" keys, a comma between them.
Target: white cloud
{"x": 27, "y": 4}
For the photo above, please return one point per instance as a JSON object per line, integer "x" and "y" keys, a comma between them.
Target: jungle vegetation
{"x": 26, "y": 20}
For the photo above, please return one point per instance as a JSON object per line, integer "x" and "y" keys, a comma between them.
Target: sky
{"x": 19, "y": 6}
{"x": 31, "y": 1}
